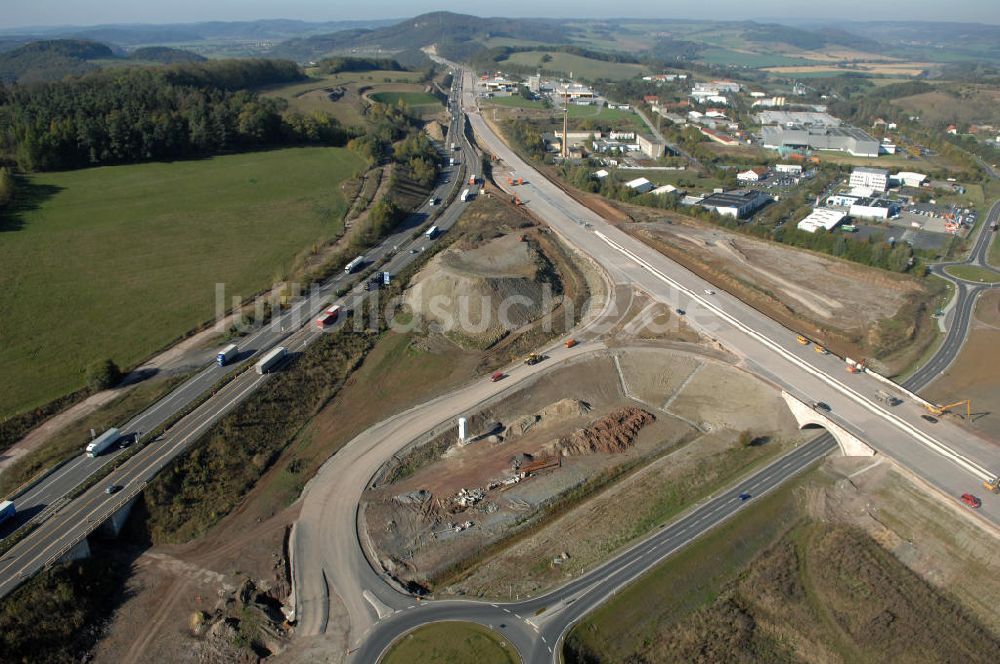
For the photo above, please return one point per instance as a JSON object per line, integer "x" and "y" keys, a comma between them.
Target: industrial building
{"x": 652, "y": 149}
{"x": 752, "y": 175}
{"x": 843, "y": 139}
{"x": 810, "y": 118}
{"x": 640, "y": 185}
{"x": 667, "y": 189}
{"x": 908, "y": 179}
{"x": 875, "y": 179}
{"x": 791, "y": 169}
{"x": 739, "y": 203}
{"x": 843, "y": 200}
{"x": 824, "y": 218}
{"x": 874, "y": 208}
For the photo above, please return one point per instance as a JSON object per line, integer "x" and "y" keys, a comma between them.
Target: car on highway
{"x": 971, "y": 500}
{"x": 745, "y": 497}
{"x": 821, "y": 405}
{"x": 709, "y": 291}
{"x": 680, "y": 312}
{"x": 497, "y": 375}
{"x": 930, "y": 418}
{"x": 112, "y": 488}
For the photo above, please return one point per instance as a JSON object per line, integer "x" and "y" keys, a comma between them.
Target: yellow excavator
{"x": 941, "y": 410}
{"x": 993, "y": 485}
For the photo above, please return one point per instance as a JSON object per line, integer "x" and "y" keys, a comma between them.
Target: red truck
{"x": 328, "y": 317}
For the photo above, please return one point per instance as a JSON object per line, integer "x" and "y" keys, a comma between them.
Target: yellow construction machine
{"x": 941, "y": 410}
{"x": 993, "y": 485}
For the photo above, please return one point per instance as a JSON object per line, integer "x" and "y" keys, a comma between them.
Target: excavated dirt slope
{"x": 477, "y": 296}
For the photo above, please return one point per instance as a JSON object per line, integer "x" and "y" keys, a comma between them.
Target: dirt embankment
{"x": 477, "y": 296}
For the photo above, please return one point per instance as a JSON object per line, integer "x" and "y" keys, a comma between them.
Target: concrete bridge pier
{"x": 78, "y": 552}
{"x": 113, "y": 526}
{"x": 807, "y": 416}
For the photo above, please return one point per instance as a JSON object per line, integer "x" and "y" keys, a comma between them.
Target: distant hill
{"x": 133, "y": 35}
{"x": 455, "y": 35}
{"x": 809, "y": 40}
{"x": 51, "y": 59}
{"x": 164, "y": 55}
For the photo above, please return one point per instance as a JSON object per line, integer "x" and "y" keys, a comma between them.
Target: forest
{"x": 140, "y": 114}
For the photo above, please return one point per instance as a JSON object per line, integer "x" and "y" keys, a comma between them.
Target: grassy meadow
{"x": 117, "y": 262}
{"x": 579, "y": 66}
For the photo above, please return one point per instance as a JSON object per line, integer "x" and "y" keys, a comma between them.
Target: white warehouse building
{"x": 821, "y": 218}
{"x": 876, "y": 179}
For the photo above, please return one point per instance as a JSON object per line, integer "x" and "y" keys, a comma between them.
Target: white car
{"x": 709, "y": 291}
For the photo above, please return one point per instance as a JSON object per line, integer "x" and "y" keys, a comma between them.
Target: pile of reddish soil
{"x": 613, "y": 433}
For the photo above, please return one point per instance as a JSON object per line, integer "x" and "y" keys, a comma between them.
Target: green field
{"x": 515, "y": 101}
{"x": 120, "y": 261}
{"x": 310, "y": 96}
{"x": 973, "y": 273}
{"x": 725, "y": 56}
{"x": 411, "y": 99}
{"x": 451, "y": 643}
{"x": 618, "y": 119}
{"x": 579, "y": 66}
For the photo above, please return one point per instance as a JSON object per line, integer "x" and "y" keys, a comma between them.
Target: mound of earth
{"x": 477, "y": 296}
{"x": 553, "y": 414}
{"x": 613, "y": 433}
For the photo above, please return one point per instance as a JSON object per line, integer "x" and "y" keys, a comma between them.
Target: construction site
{"x": 819, "y": 295}
{"x": 566, "y": 439}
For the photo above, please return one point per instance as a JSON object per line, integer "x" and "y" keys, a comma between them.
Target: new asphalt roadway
{"x": 328, "y": 558}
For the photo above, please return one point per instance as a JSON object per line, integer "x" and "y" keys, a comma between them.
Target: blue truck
{"x": 227, "y": 354}
{"x": 6, "y": 510}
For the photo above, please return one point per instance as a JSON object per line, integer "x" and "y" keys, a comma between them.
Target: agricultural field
{"x": 118, "y": 262}
{"x": 726, "y": 56}
{"x": 579, "y": 66}
{"x": 345, "y": 104}
{"x": 899, "y": 69}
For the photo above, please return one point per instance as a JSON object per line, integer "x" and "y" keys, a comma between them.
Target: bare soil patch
{"x": 846, "y": 307}
{"x": 477, "y": 502}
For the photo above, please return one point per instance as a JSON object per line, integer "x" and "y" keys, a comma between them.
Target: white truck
{"x": 227, "y": 355}
{"x": 465, "y": 195}
{"x": 103, "y": 442}
{"x": 354, "y": 264}
{"x": 270, "y": 360}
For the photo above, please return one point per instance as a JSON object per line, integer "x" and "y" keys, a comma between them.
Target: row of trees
{"x": 132, "y": 115}
{"x": 7, "y": 187}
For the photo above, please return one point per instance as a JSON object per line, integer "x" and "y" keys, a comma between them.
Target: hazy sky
{"x": 17, "y": 13}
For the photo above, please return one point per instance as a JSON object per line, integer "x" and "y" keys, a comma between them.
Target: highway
{"x": 326, "y": 550}
{"x": 63, "y": 522}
